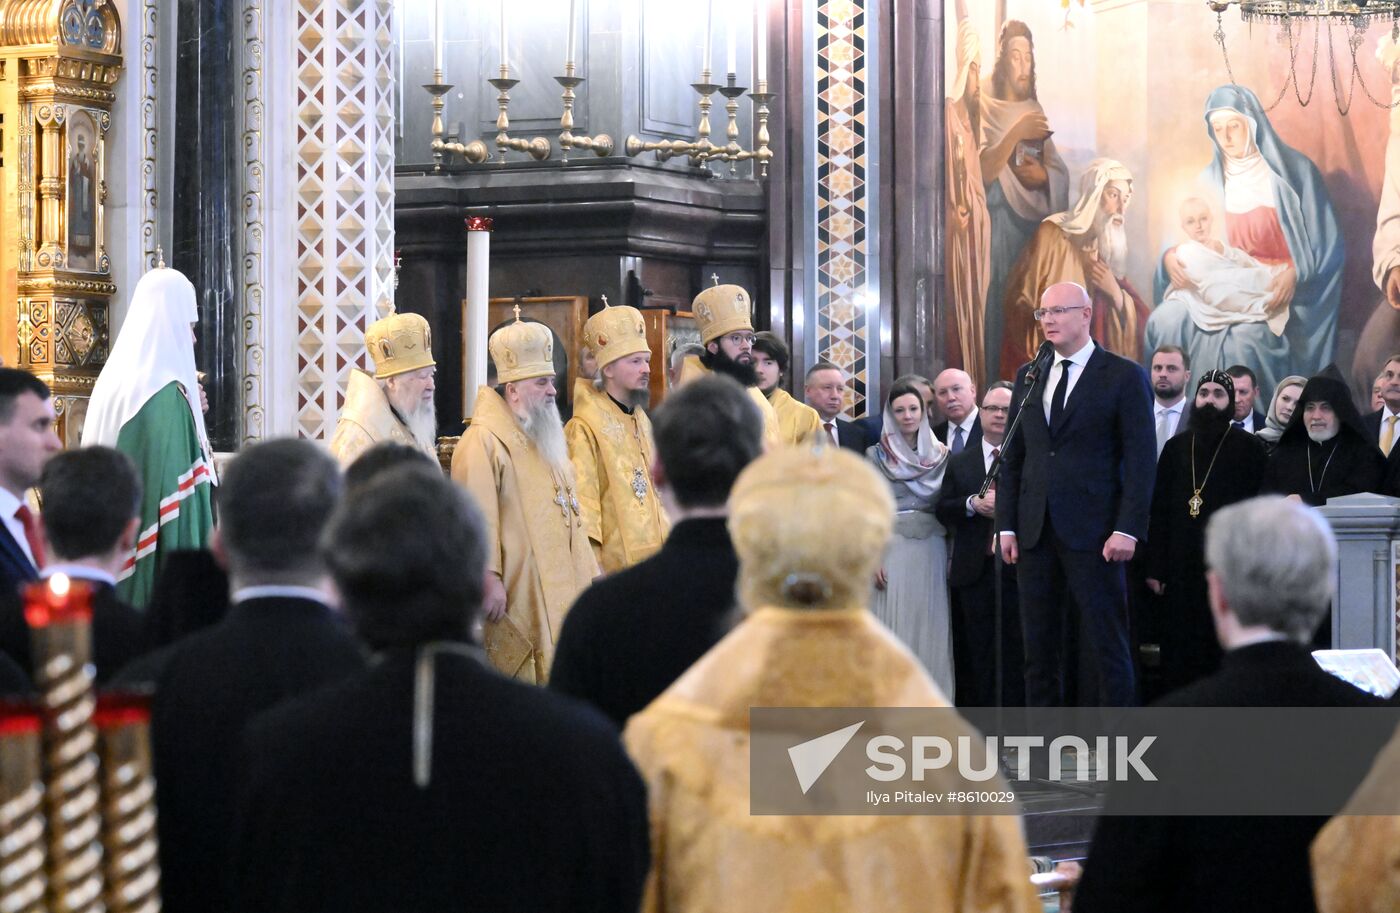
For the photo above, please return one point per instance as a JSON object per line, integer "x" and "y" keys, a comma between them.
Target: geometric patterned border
{"x": 844, "y": 214}
{"x": 254, "y": 232}
{"x": 150, "y": 75}
{"x": 344, "y": 196}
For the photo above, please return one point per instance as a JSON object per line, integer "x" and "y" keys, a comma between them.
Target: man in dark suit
{"x": 27, "y": 441}
{"x": 1383, "y": 425}
{"x": 957, "y": 400}
{"x": 1271, "y": 563}
{"x": 972, "y": 572}
{"x": 1247, "y": 418}
{"x": 92, "y": 508}
{"x": 824, "y": 390}
{"x": 429, "y": 781}
{"x": 1074, "y": 499}
{"x": 281, "y": 638}
{"x": 639, "y": 619}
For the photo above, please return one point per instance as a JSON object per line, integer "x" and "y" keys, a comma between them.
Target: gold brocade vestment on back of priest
{"x": 692, "y": 748}
{"x": 535, "y": 538}
{"x": 366, "y": 420}
{"x": 691, "y": 368}
{"x": 798, "y": 423}
{"x": 612, "y": 453}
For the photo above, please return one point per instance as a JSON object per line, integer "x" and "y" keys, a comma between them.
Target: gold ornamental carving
{"x": 59, "y": 62}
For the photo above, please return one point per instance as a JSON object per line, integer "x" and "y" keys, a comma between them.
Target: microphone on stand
{"x": 1037, "y": 363}
{"x": 1043, "y": 356}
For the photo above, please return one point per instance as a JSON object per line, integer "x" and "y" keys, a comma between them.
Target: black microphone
{"x": 1041, "y": 354}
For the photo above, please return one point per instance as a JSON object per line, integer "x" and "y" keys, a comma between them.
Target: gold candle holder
{"x": 129, "y": 844}
{"x": 538, "y": 148}
{"x": 730, "y": 152}
{"x": 700, "y": 147}
{"x": 59, "y": 614}
{"x": 601, "y": 144}
{"x": 23, "y": 853}
{"x": 474, "y": 152}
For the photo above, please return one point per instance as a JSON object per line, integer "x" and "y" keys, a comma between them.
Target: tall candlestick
{"x": 573, "y": 36}
{"x": 437, "y": 36}
{"x": 709, "y": 35}
{"x": 760, "y": 42}
{"x": 474, "y": 308}
{"x": 505, "y": 39}
{"x": 731, "y": 60}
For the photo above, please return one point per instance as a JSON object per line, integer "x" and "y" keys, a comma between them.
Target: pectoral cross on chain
{"x": 563, "y": 503}
{"x": 1195, "y": 504}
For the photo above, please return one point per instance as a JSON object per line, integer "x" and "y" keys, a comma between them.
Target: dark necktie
{"x": 830, "y": 428}
{"x": 1239, "y": 424}
{"x": 1057, "y": 401}
{"x": 957, "y": 445}
{"x": 31, "y": 533}
{"x": 992, "y": 537}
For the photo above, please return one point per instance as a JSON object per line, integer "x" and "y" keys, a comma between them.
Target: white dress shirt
{"x": 270, "y": 591}
{"x": 966, "y": 426}
{"x": 1247, "y": 423}
{"x": 987, "y": 448}
{"x": 1173, "y": 414}
{"x": 8, "y": 505}
{"x": 1385, "y": 417}
{"x": 1077, "y": 362}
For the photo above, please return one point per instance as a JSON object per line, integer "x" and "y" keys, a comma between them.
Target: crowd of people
{"x": 526, "y": 683}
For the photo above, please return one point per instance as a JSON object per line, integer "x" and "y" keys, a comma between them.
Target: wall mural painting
{"x": 1106, "y": 144}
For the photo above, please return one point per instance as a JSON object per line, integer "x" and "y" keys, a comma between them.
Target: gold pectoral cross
{"x": 639, "y": 485}
{"x": 1195, "y": 503}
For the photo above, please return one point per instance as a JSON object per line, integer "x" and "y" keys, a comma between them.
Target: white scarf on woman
{"x": 921, "y": 469}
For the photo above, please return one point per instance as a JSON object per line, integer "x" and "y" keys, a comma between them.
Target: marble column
{"x": 342, "y": 190}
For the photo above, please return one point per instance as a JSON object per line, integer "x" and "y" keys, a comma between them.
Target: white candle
{"x": 732, "y": 55}
{"x": 760, "y": 41}
{"x": 437, "y": 36}
{"x": 474, "y": 328}
{"x": 505, "y": 38}
{"x": 709, "y": 33}
{"x": 573, "y": 36}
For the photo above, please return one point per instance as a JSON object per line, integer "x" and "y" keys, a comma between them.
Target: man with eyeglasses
{"x": 1073, "y": 501}
{"x": 722, "y": 315}
{"x": 971, "y": 522}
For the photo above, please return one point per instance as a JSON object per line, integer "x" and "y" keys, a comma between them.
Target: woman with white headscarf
{"x": 911, "y": 594}
{"x": 1278, "y": 211}
{"x": 146, "y": 404}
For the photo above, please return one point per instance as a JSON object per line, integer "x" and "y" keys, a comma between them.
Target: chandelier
{"x": 1292, "y": 17}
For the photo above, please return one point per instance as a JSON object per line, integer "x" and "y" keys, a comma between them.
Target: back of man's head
{"x": 1275, "y": 561}
{"x": 706, "y": 433}
{"x": 274, "y": 501}
{"x": 14, "y": 382}
{"x": 381, "y": 457}
{"x": 408, "y": 553}
{"x": 90, "y": 496}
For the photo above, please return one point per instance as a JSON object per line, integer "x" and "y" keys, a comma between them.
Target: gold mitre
{"x": 810, "y": 526}
{"x": 720, "y": 310}
{"x": 399, "y": 343}
{"x": 615, "y": 332}
{"x": 522, "y": 350}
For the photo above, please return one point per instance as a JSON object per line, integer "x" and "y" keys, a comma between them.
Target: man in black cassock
{"x": 1325, "y": 452}
{"x": 1210, "y": 466}
{"x": 430, "y": 782}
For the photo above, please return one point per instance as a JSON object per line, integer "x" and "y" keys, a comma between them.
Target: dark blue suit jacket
{"x": 1094, "y": 471}
{"x": 15, "y": 567}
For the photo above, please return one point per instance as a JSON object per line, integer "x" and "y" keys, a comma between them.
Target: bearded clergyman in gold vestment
{"x": 809, "y": 641}
{"x": 515, "y": 462}
{"x": 396, "y": 404}
{"x": 722, "y": 318}
{"x": 611, "y": 447}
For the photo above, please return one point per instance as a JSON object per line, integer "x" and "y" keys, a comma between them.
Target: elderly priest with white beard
{"x": 514, "y": 461}
{"x": 1087, "y": 245}
{"x": 396, "y": 404}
